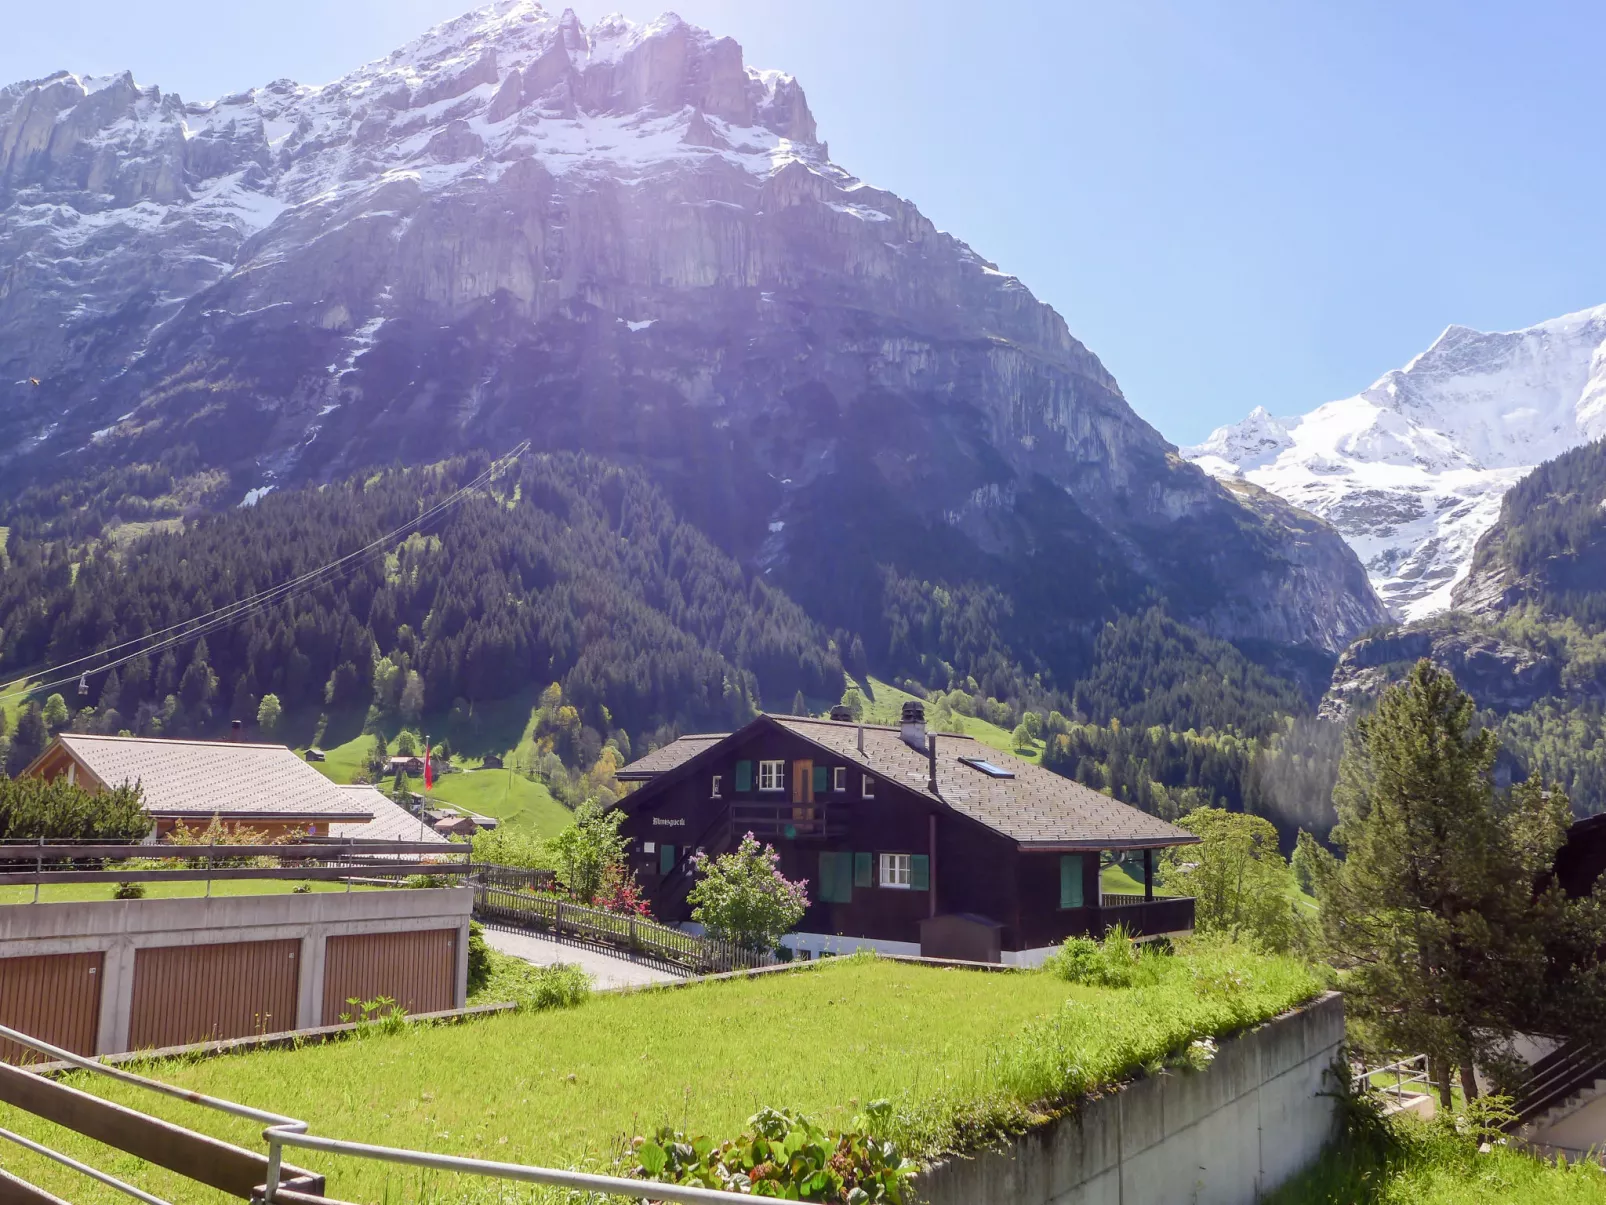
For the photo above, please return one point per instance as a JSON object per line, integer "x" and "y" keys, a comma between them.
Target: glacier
{"x": 1412, "y": 470}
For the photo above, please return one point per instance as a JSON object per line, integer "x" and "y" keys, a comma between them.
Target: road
{"x": 608, "y": 970}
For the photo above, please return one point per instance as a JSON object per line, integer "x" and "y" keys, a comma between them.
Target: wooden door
{"x": 416, "y": 970}
{"x": 52, "y": 997}
{"x": 185, "y": 994}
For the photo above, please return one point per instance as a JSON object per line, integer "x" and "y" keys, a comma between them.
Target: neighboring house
{"x": 263, "y": 787}
{"x": 316, "y": 755}
{"x": 391, "y": 821}
{"x": 490, "y": 762}
{"x": 457, "y": 826}
{"x": 404, "y": 764}
{"x": 909, "y": 842}
{"x": 1562, "y": 1107}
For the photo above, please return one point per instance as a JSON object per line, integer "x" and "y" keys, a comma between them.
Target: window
{"x": 649, "y": 847}
{"x": 839, "y": 778}
{"x": 987, "y": 767}
{"x": 1071, "y": 881}
{"x": 771, "y": 775}
{"x": 714, "y": 793}
{"x": 895, "y": 870}
{"x": 869, "y": 787}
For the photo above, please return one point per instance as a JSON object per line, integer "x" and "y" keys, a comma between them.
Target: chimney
{"x": 237, "y": 728}
{"x": 914, "y": 725}
{"x": 861, "y": 740}
{"x": 841, "y": 714}
{"x": 931, "y": 759}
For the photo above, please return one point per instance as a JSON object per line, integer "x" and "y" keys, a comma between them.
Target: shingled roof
{"x": 1035, "y": 807}
{"x": 196, "y": 780}
{"x": 391, "y": 821}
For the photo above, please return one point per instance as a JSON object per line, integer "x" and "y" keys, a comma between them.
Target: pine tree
{"x": 1432, "y": 916}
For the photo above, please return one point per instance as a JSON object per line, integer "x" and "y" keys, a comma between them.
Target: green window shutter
{"x": 821, "y": 780}
{"x": 666, "y": 858}
{"x": 862, "y": 870}
{"x": 1071, "y": 881}
{"x": 919, "y": 872}
{"x": 836, "y": 878}
{"x": 744, "y": 776}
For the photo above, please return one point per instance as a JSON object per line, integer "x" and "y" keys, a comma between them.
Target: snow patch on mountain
{"x": 1411, "y": 471}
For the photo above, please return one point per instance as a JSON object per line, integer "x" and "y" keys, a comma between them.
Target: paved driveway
{"x": 608, "y": 970}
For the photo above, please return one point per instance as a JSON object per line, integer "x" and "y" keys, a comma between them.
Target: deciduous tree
{"x": 742, "y": 897}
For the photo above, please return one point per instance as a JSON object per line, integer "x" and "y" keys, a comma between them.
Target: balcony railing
{"x": 787, "y": 821}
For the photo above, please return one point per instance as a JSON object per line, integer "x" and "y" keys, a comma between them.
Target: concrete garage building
{"x": 111, "y": 976}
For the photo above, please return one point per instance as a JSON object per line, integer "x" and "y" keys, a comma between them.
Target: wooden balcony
{"x": 784, "y": 821}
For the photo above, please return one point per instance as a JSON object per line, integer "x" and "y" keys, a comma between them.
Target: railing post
{"x": 38, "y": 869}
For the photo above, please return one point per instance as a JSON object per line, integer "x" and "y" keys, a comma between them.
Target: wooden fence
{"x": 628, "y": 934}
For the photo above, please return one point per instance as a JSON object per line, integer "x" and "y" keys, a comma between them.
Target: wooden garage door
{"x": 54, "y": 997}
{"x": 417, "y": 970}
{"x": 186, "y": 994}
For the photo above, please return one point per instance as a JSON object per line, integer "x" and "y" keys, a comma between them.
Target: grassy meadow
{"x": 884, "y": 705}
{"x": 71, "y": 893}
{"x": 956, "y": 1052}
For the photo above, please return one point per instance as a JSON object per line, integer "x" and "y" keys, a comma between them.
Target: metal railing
{"x": 282, "y": 1131}
{"x": 630, "y": 934}
{"x": 1406, "y": 1074}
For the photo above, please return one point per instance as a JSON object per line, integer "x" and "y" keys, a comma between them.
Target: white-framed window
{"x": 895, "y": 871}
{"x": 772, "y": 775}
{"x": 869, "y": 787}
{"x": 839, "y": 778}
{"x": 649, "y": 847}
{"x": 714, "y": 791}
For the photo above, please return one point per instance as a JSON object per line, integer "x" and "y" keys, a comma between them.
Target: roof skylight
{"x": 987, "y": 767}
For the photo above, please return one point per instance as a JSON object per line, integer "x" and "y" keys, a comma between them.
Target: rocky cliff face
{"x": 1498, "y": 674}
{"x": 621, "y": 239}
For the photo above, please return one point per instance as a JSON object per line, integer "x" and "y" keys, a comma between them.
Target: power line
{"x": 224, "y": 616}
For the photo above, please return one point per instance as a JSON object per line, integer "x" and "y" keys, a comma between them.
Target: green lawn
{"x": 951, "y": 1049}
{"x": 887, "y": 707}
{"x": 64, "y": 893}
{"x": 508, "y": 796}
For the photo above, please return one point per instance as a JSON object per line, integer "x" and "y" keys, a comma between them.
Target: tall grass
{"x": 1430, "y": 1164}
{"x": 961, "y": 1055}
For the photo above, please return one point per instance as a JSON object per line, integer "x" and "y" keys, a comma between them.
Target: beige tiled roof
{"x": 1036, "y": 807}
{"x": 391, "y": 821}
{"x": 201, "y": 779}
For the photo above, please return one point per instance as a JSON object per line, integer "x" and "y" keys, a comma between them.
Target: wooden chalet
{"x": 264, "y": 787}
{"x": 911, "y": 842}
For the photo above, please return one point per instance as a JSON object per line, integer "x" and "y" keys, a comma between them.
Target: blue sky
{"x": 1233, "y": 204}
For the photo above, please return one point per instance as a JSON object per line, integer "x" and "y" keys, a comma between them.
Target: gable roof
{"x": 196, "y": 780}
{"x": 391, "y": 821}
{"x": 677, "y": 751}
{"x": 1034, "y": 807}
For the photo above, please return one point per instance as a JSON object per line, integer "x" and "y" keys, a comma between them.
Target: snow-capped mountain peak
{"x": 1411, "y": 470}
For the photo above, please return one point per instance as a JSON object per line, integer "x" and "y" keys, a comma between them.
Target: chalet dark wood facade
{"x": 895, "y": 830}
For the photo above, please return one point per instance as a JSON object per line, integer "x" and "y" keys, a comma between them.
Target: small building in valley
{"x": 265, "y": 787}
{"x": 390, "y": 822}
{"x": 911, "y": 842}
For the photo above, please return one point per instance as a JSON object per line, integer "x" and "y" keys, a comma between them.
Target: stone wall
{"x": 1223, "y": 1136}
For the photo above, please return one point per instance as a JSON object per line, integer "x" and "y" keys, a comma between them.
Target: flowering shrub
{"x": 621, "y": 893}
{"x": 786, "y": 1156}
{"x": 742, "y": 897}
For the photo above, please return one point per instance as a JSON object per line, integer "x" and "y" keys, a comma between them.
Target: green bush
{"x": 1117, "y": 961}
{"x": 787, "y": 1156}
{"x": 532, "y": 988}
{"x": 479, "y": 957}
{"x": 57, "y": 810}
{"x": 129, "y": 891}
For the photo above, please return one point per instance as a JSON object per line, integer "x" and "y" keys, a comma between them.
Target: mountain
{"x": 619, "y": 240}
{"x": 1412, "y": 470}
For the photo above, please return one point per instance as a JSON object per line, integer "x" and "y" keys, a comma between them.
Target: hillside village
{"x": 556, "y": 644}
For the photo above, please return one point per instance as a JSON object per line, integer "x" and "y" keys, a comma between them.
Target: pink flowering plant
{"x": 742, "y": 897}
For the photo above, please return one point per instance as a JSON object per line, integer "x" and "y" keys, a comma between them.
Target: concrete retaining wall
{"x": 120, "y": 927}
{"x": 1223, "y": 1136}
